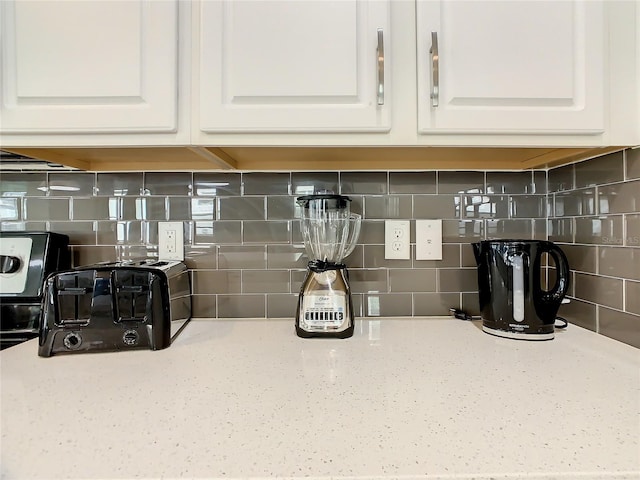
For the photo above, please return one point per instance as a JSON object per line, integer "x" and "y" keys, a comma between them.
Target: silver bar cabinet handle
{"x": 435, "y": 60}
{"x": 380, "y": 58}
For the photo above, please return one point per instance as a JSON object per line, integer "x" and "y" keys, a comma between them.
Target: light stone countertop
{"x": 431, "y": 398}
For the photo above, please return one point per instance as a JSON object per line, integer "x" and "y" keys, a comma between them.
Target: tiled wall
{"x": 242, "y": 235}
{"x": 244, "y": 248}
{"x": 595, "y": 218}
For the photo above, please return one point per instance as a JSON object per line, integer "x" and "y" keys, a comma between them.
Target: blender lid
{"x": 332, "y": 200}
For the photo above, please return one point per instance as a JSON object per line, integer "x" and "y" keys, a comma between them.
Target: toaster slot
{"x": 74, "y": 292}
{"x": 132, "y": 292}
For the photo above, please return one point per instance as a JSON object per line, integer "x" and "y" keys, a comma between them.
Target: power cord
{"x": 462, "y": 315}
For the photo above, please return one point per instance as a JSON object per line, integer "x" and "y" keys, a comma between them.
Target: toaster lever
{"x": 132, "y": 319}
{"x": 73, "y": 291}
{"x": 133, "y": 288}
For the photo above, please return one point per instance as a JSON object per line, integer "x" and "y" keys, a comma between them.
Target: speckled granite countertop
{"x": 403, "y": 398}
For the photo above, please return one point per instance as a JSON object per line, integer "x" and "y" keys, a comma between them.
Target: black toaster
{"x": 114, "y": 306}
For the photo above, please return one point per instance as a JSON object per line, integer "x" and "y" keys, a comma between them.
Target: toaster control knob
{"x": 9, "y": 264}
{"x": 130, "y": 337}
{"x": 72, "y": 341}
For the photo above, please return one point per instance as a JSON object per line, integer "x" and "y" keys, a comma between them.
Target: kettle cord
{"x": 462, "y": 315}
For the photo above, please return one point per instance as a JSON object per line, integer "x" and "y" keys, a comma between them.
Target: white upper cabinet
{"x": 292, "y": 66}
{"x": 89, "y": 66}
{"x": 511, "y": 66}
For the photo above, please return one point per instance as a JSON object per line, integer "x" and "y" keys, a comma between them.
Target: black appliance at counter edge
{"x": 26, "y": 259}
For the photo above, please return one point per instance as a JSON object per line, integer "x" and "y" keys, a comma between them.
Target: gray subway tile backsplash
{"x": 387, "y": 304}
{"x": 281, "y": 305}
{"x": 266, "y": 281}
{"x": 413, "y": 280}
{"x": 203, "y": 306}
{"x": 241, "y": 306}
{"x": 632, "y": 238}
{"x": 619, "y": 325}
{"x": 633, "y": 163}
{"x": 179, "y": 209}
{"x": 604, "y": 230}
{"x": 515, "y": 182}
{"x": 496, "y": 229}
{"x": 308, "y": 183}
{"x": 457, "y": 280}
{"x": 597, "y": 171}
{"x": 374, "y": 258}
{"x": 207, "y": 282}
{"x": 412, "y": 182}
{"x": 245, "y": 252}
{"x": 371, "y": 183}
{"x": 46, "y": 209}
{"x": 119, "y": 184}
{"x": 619, "y": 262}
{"x": 619, "y": 198}
{"x": 266, "y": 183}
{"x": 632, "y": 297}
{"x": 80, "y": 233}
{"x": 581, "y": 258}
{"x": 461, "y": 182}
{"x": 561, "y": 179}
{"x": 202, "y": 208}
{"x": 23, "y": 184}
{"x": 96, "y": 208}
{"x": 436, "y": 206}
{"x": 168, "y": 183}
{"x": 10, "y": 209}
{"x": 272, "y": 231}
{"x": 528, "y": 206}
{"x": 207, "y": 184}
{"x": 575, "y": 203}
{"x": 580, "y": 313}
{"x": 598, "y": 289}
{"x": 241, "y": 208}
{"x": 220, "y": 232}
{"x": 426, "y": 304}
{"x": 71, "y": 184}
{"x": 462, "y": 231}
{"x": 241, "y": 257}
{"x": 281, "y": 207}
{"x": 388, "y": 207}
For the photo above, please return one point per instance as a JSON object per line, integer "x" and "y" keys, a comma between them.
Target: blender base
{"x": 343, "y": 334}
{"x": 325, "y": 308}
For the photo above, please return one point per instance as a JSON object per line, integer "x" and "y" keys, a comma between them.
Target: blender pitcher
{"x": 329, "y": 232}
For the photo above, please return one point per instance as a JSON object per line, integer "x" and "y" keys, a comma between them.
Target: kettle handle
{"x": 562, "y": 274}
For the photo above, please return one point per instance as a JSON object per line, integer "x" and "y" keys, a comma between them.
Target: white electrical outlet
{"x": 428, "y": 239}
{"x": 170, "y": 241}
{"x": 397, "y": 235}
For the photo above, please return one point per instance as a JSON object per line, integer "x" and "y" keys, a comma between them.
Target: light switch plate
{"x": 170, "y": 241}
{"x": 428, "y": 239}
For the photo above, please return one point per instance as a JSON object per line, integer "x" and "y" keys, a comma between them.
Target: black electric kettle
{"x": 512, "y": 301}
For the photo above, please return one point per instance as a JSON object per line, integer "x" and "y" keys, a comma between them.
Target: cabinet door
{"x": 285, "y": 66}
{"x": 510, "y": 66}
{"x": 90, "y": 66}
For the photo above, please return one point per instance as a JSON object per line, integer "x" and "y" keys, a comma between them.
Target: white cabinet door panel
{"x": 292, "y": 65}
{"x": 512, "y": 66}
{"x": 89, "y": 66}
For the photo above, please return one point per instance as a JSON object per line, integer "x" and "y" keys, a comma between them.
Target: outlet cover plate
{"x": 397, "y": 237}
{"x": 171, "y": 241}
